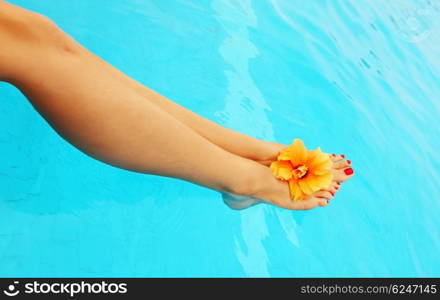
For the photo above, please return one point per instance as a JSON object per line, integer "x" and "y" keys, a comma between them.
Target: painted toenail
{"x": 338, "y": 183}
{"x": 348, "y": 171}
{"x": 332, "y": 193}
{"x": 342, "y": 155}
{"x": 348, "y": 161}
{"x": 333, "y": 154}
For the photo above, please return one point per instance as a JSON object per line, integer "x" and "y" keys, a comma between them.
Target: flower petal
{"x": 318, "y": 162}
{"x": 305, "y": 187}
{"x": 320, "y": 181}
{"x": 317, "y": 156}
{"x": 313, "y": 183}
{"x": 319, "y": 172}
{"x": 296, "y": 153}
{"x": 295, "y": 191}
{"x": 281, "y": 169}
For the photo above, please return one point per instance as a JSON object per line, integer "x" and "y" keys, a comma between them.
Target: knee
{"x": 18, "y": 24}
{"x": 25, "y": 38}
{"x": 22, "y": 28}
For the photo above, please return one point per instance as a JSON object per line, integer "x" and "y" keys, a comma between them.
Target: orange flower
{"x": 307, "y": 171}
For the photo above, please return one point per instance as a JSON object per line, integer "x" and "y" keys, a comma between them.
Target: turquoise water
{"x": 354, "y": 77}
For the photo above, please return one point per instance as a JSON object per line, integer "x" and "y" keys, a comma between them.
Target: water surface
{"x": 354, "y": 77}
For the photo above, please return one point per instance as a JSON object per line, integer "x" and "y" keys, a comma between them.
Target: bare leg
{"x": 232, "y": 141}
{"x": 107, "y": 119}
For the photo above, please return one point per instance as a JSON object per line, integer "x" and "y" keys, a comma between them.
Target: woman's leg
{"x": 231, "y": 141}
{"x": 105, "y": 118}
{"x": 108, "y": 120}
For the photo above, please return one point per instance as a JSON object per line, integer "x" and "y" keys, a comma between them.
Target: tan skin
{"x": 117, "y": 120}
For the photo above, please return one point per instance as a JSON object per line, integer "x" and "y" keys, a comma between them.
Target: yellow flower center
{"x": 300, "y": 171}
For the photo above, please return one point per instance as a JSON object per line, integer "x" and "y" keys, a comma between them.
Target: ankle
{"x": 269, "y": 151}
{"x": 253, "y": 183}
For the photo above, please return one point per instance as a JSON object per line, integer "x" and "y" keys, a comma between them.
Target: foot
{"x": 341, "y": 170}
{"x": 276, "y": 192}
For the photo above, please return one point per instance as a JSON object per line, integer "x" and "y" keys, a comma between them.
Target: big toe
{"x": 346, "y": 163}
{"x": 342, "y": 175}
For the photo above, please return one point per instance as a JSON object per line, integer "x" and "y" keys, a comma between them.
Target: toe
{"x": 311, "y": 202}
{"x": 336, "y": 157}
{"x": 342, "y": 174}
{"x": 342, "y": 164}
{"x": 324, "y": 194}
{"x": 324, "y": 202}
{"x": 334, "y": 187}
{"x": 320, "y": 198}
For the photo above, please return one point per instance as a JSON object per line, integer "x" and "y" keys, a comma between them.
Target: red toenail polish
{"x": 333, "y": 154}
{"x": 348, "y": 171}
{"x": 348, "y": 161}
{"x": 342, "y": 155}
{"x": 332, "y": 193}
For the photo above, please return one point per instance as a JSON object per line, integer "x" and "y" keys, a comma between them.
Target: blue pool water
{"x": 354, "y": 77}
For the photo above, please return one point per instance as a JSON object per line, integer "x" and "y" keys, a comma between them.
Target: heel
{"x": 238, "y": 202}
